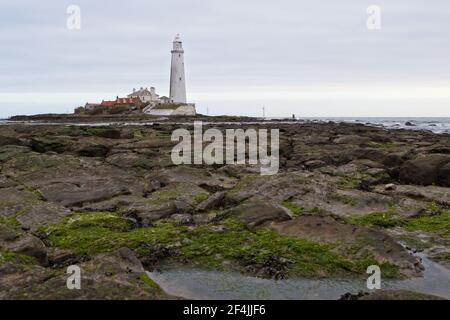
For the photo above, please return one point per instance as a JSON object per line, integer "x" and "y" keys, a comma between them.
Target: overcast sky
{"x": 310, "y": 58}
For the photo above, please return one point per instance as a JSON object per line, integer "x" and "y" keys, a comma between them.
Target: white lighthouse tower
{"x": 177, "y": 80}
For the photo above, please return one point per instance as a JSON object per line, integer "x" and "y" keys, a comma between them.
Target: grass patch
{"x": 378, "y": 219}
{"x": 351, "y": 181}
{"x": 200, "y": 197}
{"x": 293, "y": 207}
{"x": 10, "y": 221}
{"x": 346, "y": 199}
{"x": 438, "y": 223}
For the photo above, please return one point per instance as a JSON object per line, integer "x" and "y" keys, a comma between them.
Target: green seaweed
{"x": 8, "y": 256}
{"x": 91, "y": 233}
{"x": 148, "y": 281}
{"x": 293, "y": 207}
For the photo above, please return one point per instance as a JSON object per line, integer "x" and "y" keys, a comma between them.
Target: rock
{"x": 313, "y": 164}
{"x": 128, "y": 261}
{"x": 34, "y": 212}
{"x": 272, "y": 267}
{"x": 212, "y": 202}
{"x": 398, "y": 295}
{"x": 127, "y": 134}
{"x": 4, "y": 141}
{"x": 93, "y": 150}
{"x": 254, "y": 213}
{"x": 326, "y": 229}
{"x": 5, "y": 182}
{"x": 60, "y": 257}
{"x": 425, "y": 170}
{"x": 389, "y": 187}
{"x": 116, "y": 275}
{"x": 129, "y": 160}
{"x": 30, "y": 246}
{"x": 210, "y": 180}
{"x": 389, "y": 159}
{"x": 151, "y": 254}
{"x": 182, "y": 218}
{"x": 411, "y": 192}
{"x": 203, "y": 218}
{"x": 109, "y": 133}
{"x": 409, "y": 124}
{"x": 7, "y": 233}
{"x": 375, "y": 171}
{"x": 70, "y": 195}
{"x": 443, "y": 178}
{"x": 47, "y": 144}
{"x": 146, "y": 214}
{"x": 351, "y": 139}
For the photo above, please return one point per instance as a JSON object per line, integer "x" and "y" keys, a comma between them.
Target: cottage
{"x": 145, "y": 95}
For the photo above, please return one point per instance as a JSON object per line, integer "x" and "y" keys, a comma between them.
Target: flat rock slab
{"x": 28, "y": 209}
{"x": 255, "y": 213}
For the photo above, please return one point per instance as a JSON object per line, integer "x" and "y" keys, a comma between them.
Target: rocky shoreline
{"x": 109, "y": 199}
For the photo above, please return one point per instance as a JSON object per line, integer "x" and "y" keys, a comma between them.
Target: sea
{"x": 432, "y": 124}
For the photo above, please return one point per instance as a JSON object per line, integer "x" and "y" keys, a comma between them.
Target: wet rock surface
{"x": 389, "y": 295}
{"x": 109, "y": 198}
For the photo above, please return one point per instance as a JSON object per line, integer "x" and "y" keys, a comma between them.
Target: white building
{"x": 145, "y": 94}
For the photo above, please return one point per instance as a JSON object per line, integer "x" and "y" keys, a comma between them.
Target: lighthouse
{"x": 177, "y": 80}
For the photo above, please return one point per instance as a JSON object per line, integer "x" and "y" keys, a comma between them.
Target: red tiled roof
{"x": 108, "y": 103}
{"x": 120, "y": 101}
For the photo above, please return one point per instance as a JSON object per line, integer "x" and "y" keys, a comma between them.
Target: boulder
{"x": 182, "y": 218}
{"x": 109, "y": 133}
{"x": 147, "y": 213}
{"x": 212, "y": 202}
{"x": 93, "y": 150}
{"x": 313, "y": 164}
{"x": 31, "y": 246}
{"x": 7, "y": 233}
{"x": 254, "y": 213}
{"x": 50, "y": 144}
{"x": 60, "y": 257}
{"x": 426, "y": 170}
{"x": 443, "y": 178}
{"x": 4, "y": 141}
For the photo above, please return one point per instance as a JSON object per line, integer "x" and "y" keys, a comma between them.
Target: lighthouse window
{"x": 180, "y": 78}
{"x": 179, "y": 55}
